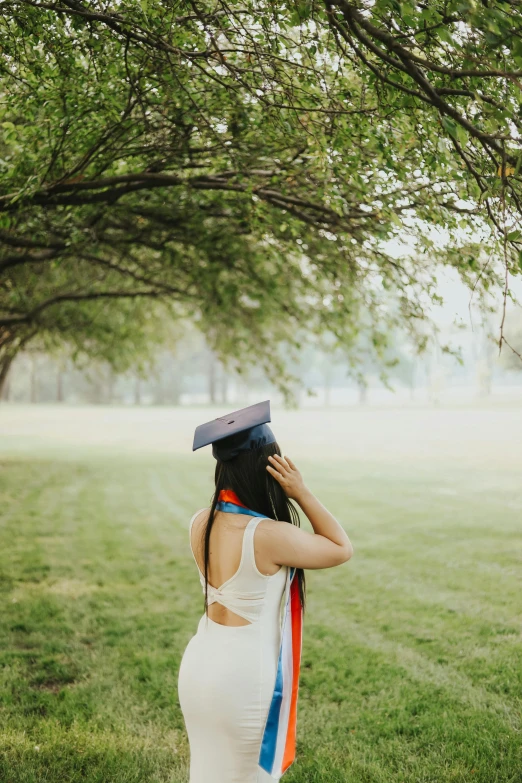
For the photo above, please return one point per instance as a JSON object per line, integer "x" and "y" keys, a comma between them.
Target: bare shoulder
{"x": 266, "y": 524}
{"x": 271, "y": 532}
{"x": 286, "y": 544}
{"x": 199, "y": 517}
{"x": 276, "y": 542}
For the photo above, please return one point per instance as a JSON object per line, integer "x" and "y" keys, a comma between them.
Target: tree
{"x": 512, "y": 360}
{"x": 232, "y": 164}
{"x": 448, "y": 71}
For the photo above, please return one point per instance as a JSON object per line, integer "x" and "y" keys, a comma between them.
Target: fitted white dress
{"x": 227, "y": 673}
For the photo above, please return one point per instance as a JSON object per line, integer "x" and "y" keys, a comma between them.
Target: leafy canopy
{"x": 243, "y": 165}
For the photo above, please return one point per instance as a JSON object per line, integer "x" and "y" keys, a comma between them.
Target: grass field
{"x": 412, "y": 656}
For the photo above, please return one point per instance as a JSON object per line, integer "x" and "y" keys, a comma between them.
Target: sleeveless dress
{"x": 227, "y": 673}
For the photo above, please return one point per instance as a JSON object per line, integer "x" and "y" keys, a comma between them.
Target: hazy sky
{"x": 455, "y": 294}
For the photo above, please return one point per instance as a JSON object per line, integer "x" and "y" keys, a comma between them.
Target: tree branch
{"x": 77, "y": 297}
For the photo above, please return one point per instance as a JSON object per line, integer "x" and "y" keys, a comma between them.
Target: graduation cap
{"x": 241, "y": 430}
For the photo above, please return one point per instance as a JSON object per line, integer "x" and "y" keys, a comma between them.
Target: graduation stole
{"x": 279, "y": 737}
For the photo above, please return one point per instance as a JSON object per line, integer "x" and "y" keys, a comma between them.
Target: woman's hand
{"x": 285, "y": 472}
{"x": 327, "y": 546}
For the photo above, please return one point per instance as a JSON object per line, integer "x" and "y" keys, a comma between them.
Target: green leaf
{"x": 450, "y": 125}
{"x": 462, "y": 135}
{"x": 444, "y": 34}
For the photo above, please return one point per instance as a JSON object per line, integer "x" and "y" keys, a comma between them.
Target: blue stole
{"x": 278, "y": 745}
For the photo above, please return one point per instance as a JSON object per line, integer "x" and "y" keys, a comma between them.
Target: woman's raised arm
{"x": 287, "y": 544}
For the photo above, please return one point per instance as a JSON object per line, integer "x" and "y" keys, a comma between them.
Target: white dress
{"x": 227, "y": 673}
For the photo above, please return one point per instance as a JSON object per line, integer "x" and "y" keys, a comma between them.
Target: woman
{"x": 229, "y": 677}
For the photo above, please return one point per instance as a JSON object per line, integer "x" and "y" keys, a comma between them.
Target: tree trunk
{"x": 159, "y": 392}
{"x": 224, "y": 387}
{"x": 412, "y": 382}
{"x": 34, "y": 391}
{"x": 59, "y": 386}
{"x": 363, "y": 393}
{"x": 5, "y": 366}
{"x": 327, "y": 386}
{"x": 110, "y": 386}
{"x": 137, "y": 392}
{"x": 6, "y": 390}
{"x": 211, "y": 369}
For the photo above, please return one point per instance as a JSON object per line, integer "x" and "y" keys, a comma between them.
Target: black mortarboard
{"x": 241, "y": 430}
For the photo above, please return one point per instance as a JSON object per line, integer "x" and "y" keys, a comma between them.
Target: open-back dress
{"x": 227, "y": 673}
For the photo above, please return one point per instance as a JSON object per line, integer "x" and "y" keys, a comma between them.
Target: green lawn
{"x": 412, "y": 663}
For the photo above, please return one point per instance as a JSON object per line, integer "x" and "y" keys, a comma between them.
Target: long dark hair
{"x": 247, "y": 476}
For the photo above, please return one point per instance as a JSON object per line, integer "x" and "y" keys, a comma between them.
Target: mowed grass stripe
{"x": 430, "y": 589}
{"x": 419, "y": 668}
{"x": 93, "y": 642}
{"x": 367, "y": 718}
{"x": 96, "y": 685}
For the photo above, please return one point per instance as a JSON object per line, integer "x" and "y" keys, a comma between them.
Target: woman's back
{"x": 236, "y": 564}
{"x": 240, "y": 593}
{"x": 228, "y": 671}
